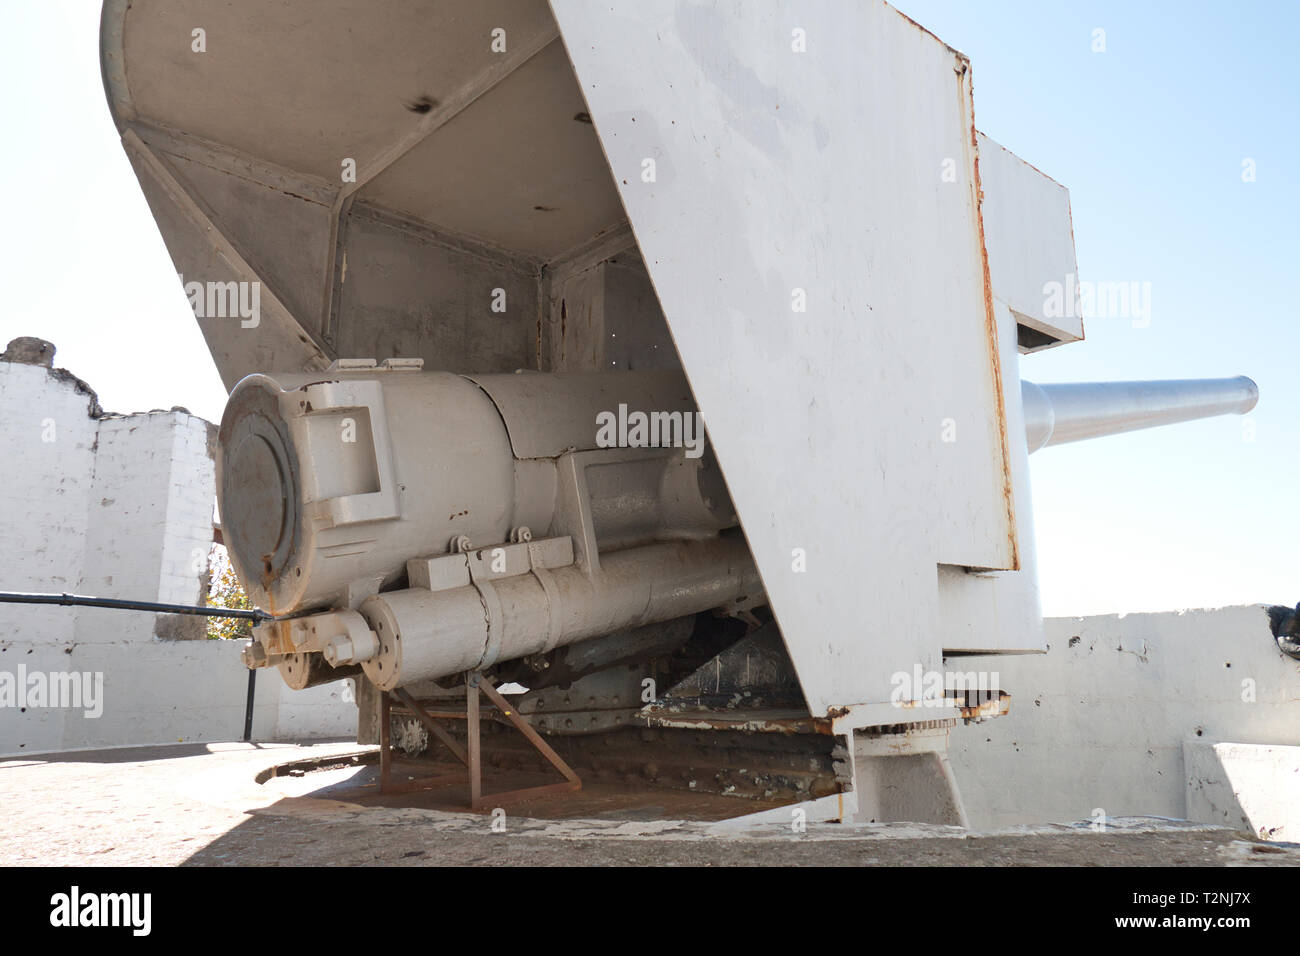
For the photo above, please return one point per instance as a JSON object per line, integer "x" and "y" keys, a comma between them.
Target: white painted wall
{"x": 121, "y": 506}
{"x": 160, "y": 692}
{"x": 115, "y": 505}
{"x": 1250, "y": 787}
{"x": 149, "y": 521}
{"x": 44, "y": 489}
{"x": 1100, "y": 720}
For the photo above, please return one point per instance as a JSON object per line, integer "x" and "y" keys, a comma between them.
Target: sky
{"x": 1149, "y": 134}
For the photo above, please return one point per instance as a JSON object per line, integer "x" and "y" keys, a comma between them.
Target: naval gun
{"x": 454, "y": 260}
{"x": 391, "y": 512}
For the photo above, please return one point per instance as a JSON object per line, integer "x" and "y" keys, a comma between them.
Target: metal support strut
{"x": 471, "y": 757}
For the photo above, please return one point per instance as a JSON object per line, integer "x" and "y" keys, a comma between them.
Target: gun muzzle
{"x": 1056, "y": 414}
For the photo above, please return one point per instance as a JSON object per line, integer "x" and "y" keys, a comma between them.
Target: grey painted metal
{"x": 1056, "y": 414}
{"x": 829, "y": 299}
{"x": 329, "y": 484}
{"x": 309, "y": 513}
{"x": 429, "y": 634}
{"x": 1029, "y": 236}
{"x": 788, "y": 202}
{"x": 832, "y": 421}
{"x": 999, "y": 611}
{"x": 529, "y": 401}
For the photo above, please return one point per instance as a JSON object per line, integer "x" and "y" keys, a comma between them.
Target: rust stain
{"x": 965, "y": 92}
{"x": 986, "y": 710}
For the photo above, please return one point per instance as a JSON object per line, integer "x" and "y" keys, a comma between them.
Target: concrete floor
{"x": 202, "y": 805}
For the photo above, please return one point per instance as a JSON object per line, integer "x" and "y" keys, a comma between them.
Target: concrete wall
{"x": 47, "y": 443}
{"x": 1251, "y": 787}
{"x": 149, "y": 524}
{"x": 117, "y": 506}
{"x": 162, "y": 692}
{"x": 1100, "y": 720}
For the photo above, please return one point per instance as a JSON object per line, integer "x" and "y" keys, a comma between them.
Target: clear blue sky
{"x": 1149, "y": 136}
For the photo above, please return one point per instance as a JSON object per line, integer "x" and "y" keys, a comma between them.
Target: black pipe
{"x": 248, "y": 707}
{"x": 256, "y": 615}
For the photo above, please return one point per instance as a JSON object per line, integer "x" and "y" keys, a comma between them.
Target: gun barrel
{"x": 1056, "y": 414}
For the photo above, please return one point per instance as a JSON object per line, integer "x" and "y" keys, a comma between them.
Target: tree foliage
{"x": 224, "y": 590}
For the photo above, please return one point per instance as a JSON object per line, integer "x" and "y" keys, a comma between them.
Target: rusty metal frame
{"x": 428, "y": 720}
{"x": 472, "y": 756}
